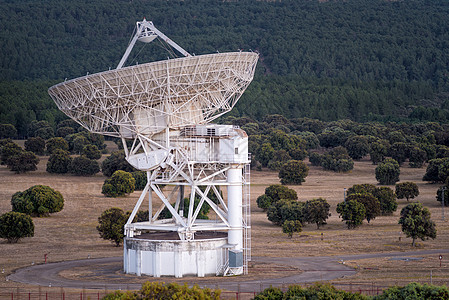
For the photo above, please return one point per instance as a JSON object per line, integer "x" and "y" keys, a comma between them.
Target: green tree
{"x": 115, "y": 161}
{"x": 59, "y": 162}
{"x": 387, "y": 199}
{"x": 293, "y": 172}
{"x": 387, "y": 172}
{"x": 7, "y": 131}
{"x": 56, "y": 143}
{"x": 91, "y": 152}
{"x": 38, "y": 200}
{"x": 361, "y": 188}
{"x": 371, "y": 203}
{"x": 45, "y": 133}
{"x": 417, "y": 157}
{"x": 443, "y": 170}
{"x": 284, "y": 210}
{"x": 378, "y": 151}
{"x": 333, "y": 137}
{"x": 111, "y": 225}
{"x": 440, "y": 194}
{"x": 23, "y": 162}
{"x": 384, "y": 195}
{"x": 264, "y": 202}
{"x": 416, "y": 223}
{"x": 78, "y": 143}
{"x": 35, "y": 145}
{"x": 357, "y": 146}
{"x": 291, "y": 226}
{"x": 265, "y": 154}
{"x": 277, "y": 192}
{"x": 399, "y": 152}
{"x": 120, "y": 184}
{"x": 15, "y": 225}
{"x": 407, "y": 189}
{"x": 432, "y": 171}
{"x": 64, "y": 131}
{"x": 83, "y": 166}
{"x": 352, "y": 212}
{"x": 44, "y": 127}
{"x": 280, "y": 157}
{"x": 316, "y": 211}
{"x": 141, "y": 180}
{"x": 298, "y": 154}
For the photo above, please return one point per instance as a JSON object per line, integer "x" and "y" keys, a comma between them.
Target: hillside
{"x": 361, "y": 60}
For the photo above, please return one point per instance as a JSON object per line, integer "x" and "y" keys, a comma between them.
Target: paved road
{"x": 322, "y": 268}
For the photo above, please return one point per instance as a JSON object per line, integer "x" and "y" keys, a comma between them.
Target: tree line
{"x": 358, "y": 60}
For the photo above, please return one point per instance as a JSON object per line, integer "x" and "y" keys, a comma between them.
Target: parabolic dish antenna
{"x": 165, "y": 108}
{"x": 148, "y": 98}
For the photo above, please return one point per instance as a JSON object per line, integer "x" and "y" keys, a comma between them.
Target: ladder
{"x": 246, "y": 206}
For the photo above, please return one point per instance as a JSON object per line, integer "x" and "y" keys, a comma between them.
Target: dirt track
{"x": 314, "y": 269}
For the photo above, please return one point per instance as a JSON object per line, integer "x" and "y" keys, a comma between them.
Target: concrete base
{"x": 161, "y": 254}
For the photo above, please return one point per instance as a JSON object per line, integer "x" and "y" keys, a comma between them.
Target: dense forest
{"x": 358, "y": 59}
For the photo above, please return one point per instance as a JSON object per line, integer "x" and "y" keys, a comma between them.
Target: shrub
{"x": 320, "y": 291}
{"x": 83, "y": 166}
{"x": 56, "y": 143}
{"x": 91, "y": 152}
{"x": 415, "y": 291}
{"x": 59, "y": 162}
{"x": 23, "y": 162}
{"x": 15, "y": 225}
{"x": 315, "y": 158}
{"x": 8, "y": 149}
{"x": 116, "y": 161}
{"x": 35, "y": 145}
{"x": 271, "y": 293}
{"x": 38, "y": 200}
{"x": 120, "y": 184}
{"x": 161, "y": 290}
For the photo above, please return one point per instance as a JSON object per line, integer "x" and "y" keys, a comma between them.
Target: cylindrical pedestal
{"x": 170, "y": 257}
{"x": 235, "y": 234}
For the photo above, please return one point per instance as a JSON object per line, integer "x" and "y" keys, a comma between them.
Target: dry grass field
{"x": 71, "y": 234}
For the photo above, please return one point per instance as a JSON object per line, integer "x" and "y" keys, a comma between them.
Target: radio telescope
{"x": 162, "y": 112}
